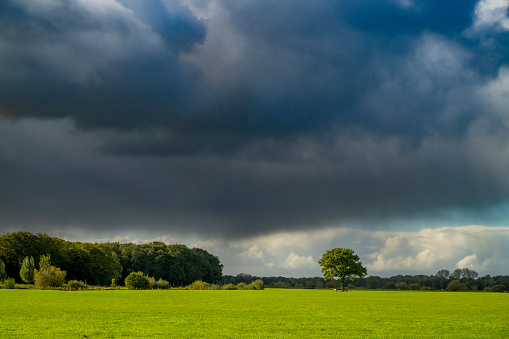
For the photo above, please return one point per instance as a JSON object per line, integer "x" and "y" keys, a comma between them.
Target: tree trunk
{"x": 342, "y": 284}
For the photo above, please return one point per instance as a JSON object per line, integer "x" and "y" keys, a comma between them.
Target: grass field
{"x": 256, "y": 314}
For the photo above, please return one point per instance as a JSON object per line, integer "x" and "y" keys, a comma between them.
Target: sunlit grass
{"x": 267, "y": 313}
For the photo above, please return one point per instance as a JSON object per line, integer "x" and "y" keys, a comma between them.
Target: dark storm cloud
{"x": 303, "y": 67}
{"x": 99, "y": 63}
{"x": 242, "y": 117}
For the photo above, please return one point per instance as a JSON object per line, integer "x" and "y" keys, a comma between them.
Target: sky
{"x": 265, "y": 132}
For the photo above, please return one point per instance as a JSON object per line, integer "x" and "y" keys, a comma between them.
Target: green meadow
{"x": 251, "y": 314}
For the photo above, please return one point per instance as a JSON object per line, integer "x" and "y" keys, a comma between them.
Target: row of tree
{"x": 432, "y": 282}
{"x": 100, "y": 264}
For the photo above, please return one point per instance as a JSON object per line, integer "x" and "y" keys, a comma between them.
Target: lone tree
{"x": 341, "y": 263}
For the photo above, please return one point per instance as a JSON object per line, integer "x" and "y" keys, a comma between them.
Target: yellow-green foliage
{"x": 9, "y": 283}
{"x": 257, "y": 284}
{"x": 273, "y": 313}
{"x": 27, "y": 270}
{"x": 200, "y": 285}
{"x": 75, "y": 285}
{"x": 137, "y": 281}
{"x": 49, "y": 277}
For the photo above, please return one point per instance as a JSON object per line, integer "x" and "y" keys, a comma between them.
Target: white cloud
{"x": 254, "y": 252}
{"x": 385, "y": 253}
{"x": 469, "y": 261}
{"x": 296, "y": 261}
{"x": 490, "y": 13}
{"x": 429, "y": 250}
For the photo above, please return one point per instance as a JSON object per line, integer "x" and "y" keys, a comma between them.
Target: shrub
{"x": 152, "y": 283}
{"x": 49, "y": 277}
{"x": 137, "y": 281}
{"x": 402, "y": 286}
{"x": 199, "y": 285}
{"x": 160, "y": 284}
{"x": 229, "y": 287}
{"x": 456, "y": 285}
{"x": 258, "y": 284}
{"x": 328, "y": 284}
{"x": 9, "y": 283}
{"x": 498, "y": 288}
{"x": 76, "y": 285}
{"x": 248, "y": 287}
{"x": 241, "y": 286}
{"x": 414, "y": 286}
{"x": 389, "y": 286}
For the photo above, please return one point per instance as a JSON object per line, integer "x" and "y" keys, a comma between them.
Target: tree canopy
{"x": 99, "y": 264}
{"x": 342, "y": 263}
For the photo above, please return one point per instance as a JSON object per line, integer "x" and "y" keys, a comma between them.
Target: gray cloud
{"x": 240, "y": 118}
{"x": 96, "y": 62}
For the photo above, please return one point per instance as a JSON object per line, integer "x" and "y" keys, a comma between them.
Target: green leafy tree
{"x": 456, "y": 285}
{"x": 45, "y": 262}
{"x": 342, "y": 263}
{"x": 47, "y": 275}
{"x": 402, "y": 286}
{"x": 373, "y": 282}
{"x": 27, "y": 270}
{"x": 498, "y": 288}
{"x": 3, "y": 275}
{"x": 137, "y": 281}
{"x": 443, "y": 274}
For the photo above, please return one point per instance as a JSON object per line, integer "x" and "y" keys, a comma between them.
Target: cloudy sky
{"x": 266, "y": 132}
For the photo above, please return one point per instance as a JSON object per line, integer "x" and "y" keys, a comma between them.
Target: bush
{"x": 160, "y": 284}
{"x": 241, "y": 286}
{"x": 414, "y": 286}
{"x": 456, "y": 285}
{"x": 328, "y": 284}
{"x": 152, "y": 283}
{"x": 248, "y": 287}
{"x": 258, "y": 284}
{"x": 229, "y": 287}
{"x": 199, "y": 285}
{"x": 498, "y": 288}
{"x": 9, "y": 283}
{"x": 389, "y": 286}
{"x": 49, "y": 277}
{"x": 402, "y": 286}
{"x": 137, "y": 281}
{"x": 76, "y": 285}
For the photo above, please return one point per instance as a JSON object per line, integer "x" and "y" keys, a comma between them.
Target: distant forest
{"x": 100, "y": 264}
{"x": 442, "y": 280}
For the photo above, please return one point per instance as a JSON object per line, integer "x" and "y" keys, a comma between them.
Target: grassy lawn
{"x": 258, "y": 314}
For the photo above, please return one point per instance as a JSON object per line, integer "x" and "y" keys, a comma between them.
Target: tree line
{"x": 438, "y": 281}
{"x": 104, "y": 263}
